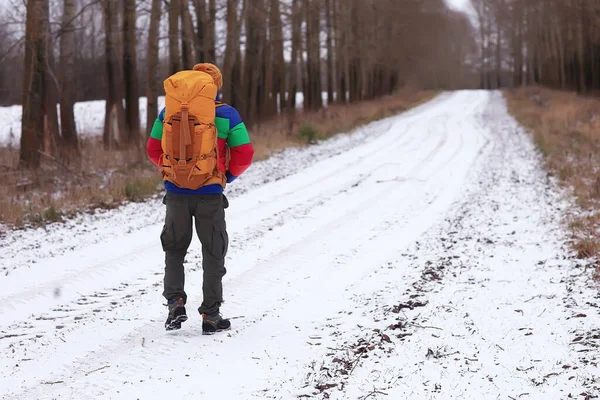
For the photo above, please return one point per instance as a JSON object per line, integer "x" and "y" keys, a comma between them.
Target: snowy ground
{"x": 421, "y": 257}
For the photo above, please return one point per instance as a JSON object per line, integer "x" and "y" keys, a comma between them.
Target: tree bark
{"x": 210, "y": 55}
{"x": 278, "y": 61}
{"x": 188, "y": 59}
{"x": 296, "y": 23}
{"x": 152, "y": 71}
{"x": 330, "y": 54}
{"x": 132, "y": 104}
{"x": 52, "y": 139}
{"x": 67, "y": 72}
{"x": 313, "y": 31}
{"x": 115, "y": 127}
{"x": 33, "y": 85}
{"x": 200, "y": 37}
{"x": 174, "y": 60}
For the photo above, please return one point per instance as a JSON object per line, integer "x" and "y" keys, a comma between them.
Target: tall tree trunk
{"x": 313, "y": 31}
{"x": 132, "y": 111}
{"x": 330, "y": 55}
{"x": 276, "y": 41}
{"x": 188, "y": 59}
{"x": 200, "y": 37}
{"x": 210, "y": 55}
{"x": 67, "y": 72}
{"x": 115, "y": 126}
{"x": 253, "y": 76}
{"x": 581, "y": 86}
{"x": 152, "y": 67}
{"x": 174, "y": 60}
{"x": 340, "y": 29}
{"x": 33, "y": 85}
{"x": 498, "y": 57}
{"x": 230, "y": 50}
{"x": 52, "y": 138}
{"x": 296, "y": 23}
{"x": 355, "y": 64}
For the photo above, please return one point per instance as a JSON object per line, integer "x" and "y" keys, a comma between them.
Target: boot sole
{"x": 208, "y": 333}
{"x": 176, "y": 323}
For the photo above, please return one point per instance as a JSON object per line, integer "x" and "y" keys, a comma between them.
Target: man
{"x": 206, "y": 205}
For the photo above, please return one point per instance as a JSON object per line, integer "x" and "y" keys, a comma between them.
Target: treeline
{"x": 550, "y": 42}
{"x": 268, "y": 51}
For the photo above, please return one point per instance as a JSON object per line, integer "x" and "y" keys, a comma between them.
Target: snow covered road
{"x": 421, "y": 257}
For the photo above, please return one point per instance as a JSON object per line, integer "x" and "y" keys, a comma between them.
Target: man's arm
{"x": 153, "y": 147}
{"x": 240, "y": 148}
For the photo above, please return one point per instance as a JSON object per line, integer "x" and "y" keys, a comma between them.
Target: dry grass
{"x": 107, "y": 179}
{"x": 566, "y": 128}
{"x": 103, "y": 179}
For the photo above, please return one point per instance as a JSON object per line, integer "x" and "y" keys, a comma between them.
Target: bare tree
{"x": 210, "y": 54}
{"x": 67, "y": 72}
{"x": 296, "y": 22}
{"x": 188, "y": 58}
{"x": 277, "y": 59}
{"x": 33, "y": 87}
{"x": 174, "y": 12}
{"x": 152, "y": 61}
{"x": 313, "y": 54}
{"x": 330, "y": 54}
{"x": 132, "y": 111}
{"x": 115, "y": 127}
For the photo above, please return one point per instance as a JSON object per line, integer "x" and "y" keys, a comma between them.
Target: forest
{"x": 268, "y": 51}
{"x": 65, "y": 51}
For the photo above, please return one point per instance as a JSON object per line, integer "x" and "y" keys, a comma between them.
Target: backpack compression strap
{"x": 185, "y": 138}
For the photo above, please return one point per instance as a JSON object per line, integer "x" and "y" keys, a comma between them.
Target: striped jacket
{"x": 232, "y": 133}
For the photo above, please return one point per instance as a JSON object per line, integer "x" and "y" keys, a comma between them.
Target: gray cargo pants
{"x": 208, "y": 211}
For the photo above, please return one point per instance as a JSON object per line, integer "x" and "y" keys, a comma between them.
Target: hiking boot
{"x": 213, "y": 323}
{"x": 177, "y": 314}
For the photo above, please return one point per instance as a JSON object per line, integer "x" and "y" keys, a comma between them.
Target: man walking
{"x": 200, "y": 145}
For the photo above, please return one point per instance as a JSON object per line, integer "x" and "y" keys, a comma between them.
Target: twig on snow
{"x": 549, "y": 297}
{"x": 374, "y": 392}
{"x": 425, "y": 326}
{"x": 97, "y": 369}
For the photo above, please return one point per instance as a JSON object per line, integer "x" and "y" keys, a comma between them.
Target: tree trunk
{"x": 67, "y": 72}
{"x": 296, "y": 44}
{"x": 354, "y": 64}
{"x": 52, "y": 138}
{"x": 330, "y": 55}
{"x": 188, "y": 59}
{"x": 230, "y": 50}
{"x": 152, "y": 67}
{"x": 115, "y": 128}
{"x": 210, "y": 55}
{"x": 276, "y": 41}
{"x": 253, "y": 77}
{"x": 313, "y": 31}
{"x": 33, "y": 85}
{"x": 200, "y": 37}
{"x": 174, "y": 11}
{"x": 132, "y": 95}
{"x": 340, "y": 29}
{"x": 498, "y": 56}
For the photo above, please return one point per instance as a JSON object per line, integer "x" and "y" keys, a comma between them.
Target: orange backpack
{"x": 189, "y": 141}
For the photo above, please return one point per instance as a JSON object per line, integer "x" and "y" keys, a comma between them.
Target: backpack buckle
{"x": 182, "y": 163}
{"x": 184, "y": 106}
